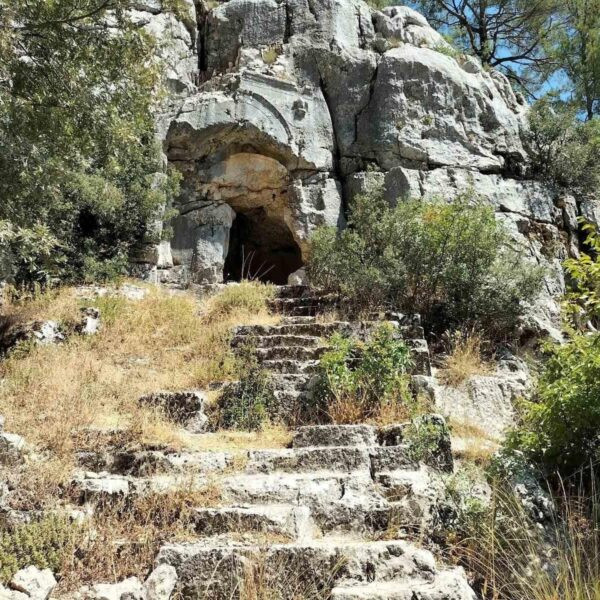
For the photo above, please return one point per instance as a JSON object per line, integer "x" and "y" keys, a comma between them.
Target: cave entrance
{"x": 262, "y": 247}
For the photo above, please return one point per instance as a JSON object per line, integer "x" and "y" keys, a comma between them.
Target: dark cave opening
{"x": 261, "y": 247}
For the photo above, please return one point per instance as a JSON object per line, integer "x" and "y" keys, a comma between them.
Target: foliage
{"x": 78, "y": 157}
{"x": 582, "y": 302}
{"x": 365, "y": 380}
{"x": 565, "y": 149}
{"x": 509, "y": 35}
{"x": 560, "y": 426}
{"x": 248, "y": 404}
{"x": 45, "y": 544}
{"x": 451, "y": 262}
{"x": 575, "y": 52}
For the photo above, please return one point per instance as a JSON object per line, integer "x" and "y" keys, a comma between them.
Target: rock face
{"x": 296, "y": 106}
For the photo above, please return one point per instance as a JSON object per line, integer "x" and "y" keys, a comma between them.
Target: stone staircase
{"x": 290, "y": 351}
{"x": 318, "y": 520}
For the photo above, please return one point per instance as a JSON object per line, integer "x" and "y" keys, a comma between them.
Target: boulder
{"x": 90, "y": 321}
{"x": 129, "y": 589}
{"x": 36, "y": 584}
{"x": 161, "y": 583}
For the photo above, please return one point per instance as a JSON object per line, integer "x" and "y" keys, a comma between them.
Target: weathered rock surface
{"x": 34, "y": 583}
{"x": 300, "y": 105}
{"x": 184, "y": 407}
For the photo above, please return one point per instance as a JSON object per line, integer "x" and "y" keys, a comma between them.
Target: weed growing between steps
{"x": 366, "y": 381}
{"x": 47, "y": 543}
{"x": 464, "y": 358}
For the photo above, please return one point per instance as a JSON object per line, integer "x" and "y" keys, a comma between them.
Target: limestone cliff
{"x": 282, "y": 111}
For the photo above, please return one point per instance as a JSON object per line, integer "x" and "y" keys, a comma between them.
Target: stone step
{"x": 291, "y": 291}
{"x": 291, "y": 381}
{"x": 145, "y": 463}
{"x": 291, "y": 366}
{"x": 282, "y": 304}
{"x": 298, "y": 353}
{"x": 450, "y": 584}
{"x": 335, "y": 435}
{"x": 312, "y": 328}
{"x": 295, "y": 320}
{"x": 291, "y": 521}
{"x": 268, "y": 341}
{"x": 361, "y": 568}
{"x": 338, "y": 501}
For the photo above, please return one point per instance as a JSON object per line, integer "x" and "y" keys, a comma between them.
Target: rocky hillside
{"x": 286, "y": 110}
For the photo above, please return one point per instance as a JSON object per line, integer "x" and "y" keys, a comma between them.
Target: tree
{"x": 575, "y": 48}
{"x": 509, "y": 35}
{"x": 77, "y": 151}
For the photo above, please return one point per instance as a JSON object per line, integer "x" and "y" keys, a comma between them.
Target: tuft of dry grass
{"x": 512, "y": 558}
{"x": 465, "y": 359}
{"x": 471, "y": 443}
{"x": 277, "y": 577}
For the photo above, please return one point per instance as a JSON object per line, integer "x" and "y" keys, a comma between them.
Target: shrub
{"x": 453, "y": 263}
{"x": 248, "y": 404}
{"x": 582, "y": 302}
{"x": 565, "y": 149}
{"x": 365, "y": 380}
{"x": 46, "y": 544}
{"x": 560, "y": 425}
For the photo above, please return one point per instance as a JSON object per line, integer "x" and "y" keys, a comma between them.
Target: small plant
{"x": 46, "y": 544}
{"x": 365, "y": 380}
{"x": 247, "y": 296}
{"x": 270, "y": 54}
{"x": 465, "y": 358}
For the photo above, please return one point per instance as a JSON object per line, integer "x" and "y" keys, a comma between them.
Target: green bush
{"x": 47, "y": 544}
{"x": 560, "y": 426}
{"x": 582, "y": 302}
{"x": 365, "y": 380}
{"x": 565, "y": 149}
{"x": 451, "y": 262}
{"x": 250, "y": 403}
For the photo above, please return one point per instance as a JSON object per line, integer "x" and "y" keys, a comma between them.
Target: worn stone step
{"x": 288, "y": 520}
{"x": 361, "y": 568}
{"x": 291, "y": 366}
{"x": 335, "y": 435}
{"x": 292, "y": 381}
{"x": 312, "y": 328}
{"x": 268, "y": 341}
{"x": 290, "y": 352}
{"x": 295, "y": 320}
{"x": 145, "y": 463}
{"x": 338, "y": 501}
{"x": 450, "y": 584}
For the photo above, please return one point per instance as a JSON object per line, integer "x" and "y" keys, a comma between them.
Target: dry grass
{"x": 471, "y": 443}
{"x": 50, "y": 392}
{"x": 464, "y": 359}
{"x": 281, "y": 577}
{"x": 509, "y": 558}
{"x": 122, "y": 539}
